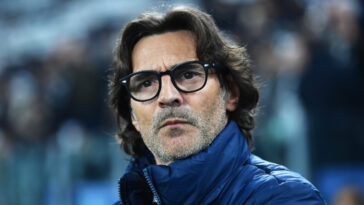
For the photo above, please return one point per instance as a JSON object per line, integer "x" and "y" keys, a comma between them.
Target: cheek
{"x": 143, "y": 113}
{"x": 204, "y": 102}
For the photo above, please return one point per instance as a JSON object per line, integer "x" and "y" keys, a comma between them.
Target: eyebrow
{"x": 142, "y": 76}
{"x": 168, "y": 67}
{"x": 156, "y": 68}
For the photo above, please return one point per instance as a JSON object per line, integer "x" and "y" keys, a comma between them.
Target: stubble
{"x": 209, "y": 122}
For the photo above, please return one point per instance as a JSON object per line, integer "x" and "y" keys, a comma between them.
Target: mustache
{"x": 169, "y": 113}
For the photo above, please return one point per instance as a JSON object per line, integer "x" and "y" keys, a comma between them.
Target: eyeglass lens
{"x": 187, "y": 77}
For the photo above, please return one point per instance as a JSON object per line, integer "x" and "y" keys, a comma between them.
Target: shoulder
{"x": 270, "y": 183}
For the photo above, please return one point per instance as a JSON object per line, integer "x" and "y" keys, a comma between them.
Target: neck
{"x": 161, "y": 162}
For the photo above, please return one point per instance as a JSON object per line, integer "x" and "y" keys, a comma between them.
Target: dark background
{"x": 56, "y": 144}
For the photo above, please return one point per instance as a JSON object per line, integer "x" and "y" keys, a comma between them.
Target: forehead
{"x": 161, "y": 51}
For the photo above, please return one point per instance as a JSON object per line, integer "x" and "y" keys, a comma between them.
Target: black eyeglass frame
{"x": 205, "y": 64}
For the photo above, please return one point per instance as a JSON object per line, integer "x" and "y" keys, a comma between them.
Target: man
{"x": 185, "y": 96}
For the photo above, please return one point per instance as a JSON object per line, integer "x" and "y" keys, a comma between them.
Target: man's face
{"x": 175, "y": 125}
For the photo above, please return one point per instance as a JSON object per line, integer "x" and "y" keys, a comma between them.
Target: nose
{"x": 169, "y": 95}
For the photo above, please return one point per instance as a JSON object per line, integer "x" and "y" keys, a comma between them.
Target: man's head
{"x": 206, "y": 80}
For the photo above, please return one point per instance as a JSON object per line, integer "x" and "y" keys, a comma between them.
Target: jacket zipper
{"x": 156, "y": 198}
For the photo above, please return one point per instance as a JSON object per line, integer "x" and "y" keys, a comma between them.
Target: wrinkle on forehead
{"x": 160, "y": 52}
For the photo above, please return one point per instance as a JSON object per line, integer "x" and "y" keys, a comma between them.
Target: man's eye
{"x": 146, "y": 83}
{"x": 189, "y": 75}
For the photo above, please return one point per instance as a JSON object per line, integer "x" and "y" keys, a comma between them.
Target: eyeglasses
{"x": 187, "y": 77}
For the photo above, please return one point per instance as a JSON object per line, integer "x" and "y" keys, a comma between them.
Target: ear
{"x": 134, "y": 121}
{"x": 233, "y": 95}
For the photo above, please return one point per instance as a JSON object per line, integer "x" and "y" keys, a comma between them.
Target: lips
{"x": 173, "y": 123}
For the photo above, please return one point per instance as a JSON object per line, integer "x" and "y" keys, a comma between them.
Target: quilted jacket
{"x": 224, "y": 173}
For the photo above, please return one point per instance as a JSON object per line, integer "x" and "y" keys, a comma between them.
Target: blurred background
{"x": 56, "y": 144}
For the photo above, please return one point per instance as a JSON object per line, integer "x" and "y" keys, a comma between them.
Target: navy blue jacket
{"x": 224, "y": 173}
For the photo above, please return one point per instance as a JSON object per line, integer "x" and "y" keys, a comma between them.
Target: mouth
{"x": 173, "y": 123}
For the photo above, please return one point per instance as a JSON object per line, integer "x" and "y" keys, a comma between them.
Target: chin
{"x": 182, "y": 146}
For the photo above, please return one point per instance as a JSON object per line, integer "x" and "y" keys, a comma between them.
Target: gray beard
{"x": 208, "y": 129}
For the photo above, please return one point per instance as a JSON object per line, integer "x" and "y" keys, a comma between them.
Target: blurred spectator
{"x": 348, "y": 196}
{"x": 332, "y": 87}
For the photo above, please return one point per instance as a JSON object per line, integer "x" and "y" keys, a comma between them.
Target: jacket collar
{"x": 201, "y": 177}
